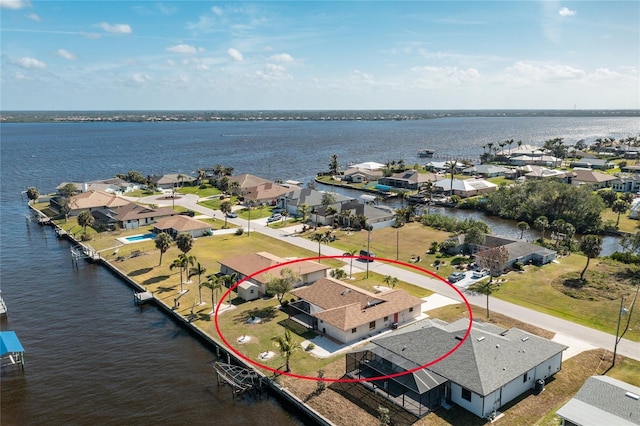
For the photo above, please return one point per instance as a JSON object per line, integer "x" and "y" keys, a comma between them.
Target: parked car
{"x": 232, "y": 214}
{"x": 455, "y": 277}
{"x": 274, "y": 218}
{"x": 368, "y": 254}
{"x": 480, "y": 273}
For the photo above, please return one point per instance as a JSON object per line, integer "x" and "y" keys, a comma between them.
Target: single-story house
{"x": 368, "y": 165}
{"x": 603, "y": 400}
{"x": 539, "y": 160}
{"x": 631, "y": 168}
{"x": 267, "y": 193}
{"x": 246, "y": 181}
{"x": 172, "y": 180}
{"x": 348, "y": 313}
{"x": 246, "y": 265}
{"x": 90, "y": 201}
{"x": 626, "y": 182}
{"x": 487, "y": 370}
{"x": 523, "y": 149}
{"x": 178, "y": 224}
{"x": 538, "y": 172}
{"x": 358, "y": 175}
{"x": 593, "y": 163}
{"x": 465, "y": 187}
{"x": 113, "y": 185}
{"x": 485, "y": 170}
{"x": 131, "y": 216}
{"x": 518, "y": 250}
{"x": 377, "y": 216}
{"x": 294, "y": 198}
{"x": 594, "y": 179}
{"x": 409, "y": 179}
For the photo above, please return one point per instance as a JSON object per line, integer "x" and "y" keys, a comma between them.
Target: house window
{"x": 525, "y": 377}
{"x": 466, "y": 394}
{"x": 410, "y": 309}
{"x": 372, "y": 325}
{"x": 353, "y": 330}
{"x": 386, "y": 319}
{"x": 251, "y": 291}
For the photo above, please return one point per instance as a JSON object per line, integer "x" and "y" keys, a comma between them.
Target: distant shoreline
{"x": 295, "y": 115}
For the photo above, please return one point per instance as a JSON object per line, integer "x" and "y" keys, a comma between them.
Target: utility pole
{"x": 622, "y": 312}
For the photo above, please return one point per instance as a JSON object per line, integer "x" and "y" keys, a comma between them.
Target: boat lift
{"x": 11, "y": 350}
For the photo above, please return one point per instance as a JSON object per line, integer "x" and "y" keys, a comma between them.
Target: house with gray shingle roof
{"x": 477, "y": 366}
{"x": 603, "y": 400}
{"x": 486, "y": 170}
{"x": 348, "y": 313}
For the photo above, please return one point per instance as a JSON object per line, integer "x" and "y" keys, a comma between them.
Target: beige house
{"x": 131, "y": 215}
{"x": 94, "y": 200}
{"x": 178, "y": 224}
{"x": 247, "y": 265}
{"x": 348, "y": 313}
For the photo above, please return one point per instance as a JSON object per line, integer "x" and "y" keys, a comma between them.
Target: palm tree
{"x": 390, "y": 281}
{"x": 229, "y": 281}
{"x": 541, "y": 223}
{"x": 201, "y": 176}
{"x": 591, "y": 246}
{"x": 225, "y": 208}
{"x": 177, "y": 263}
{"x": 163, "y": 242}
{"x": 303, "y": 211}
{"x": 214, "y": 283}
{"x": 199, "y": 271}
{"x": 184, "y": 241}
{"x": 351, "y": 253}
{"x": 522, "y": 226}
{"x": 287, "y": 347}
{"x": 620, "y": 207}
{"x": 451, "y": 165}
{"x": 333, "y": 165}
{"x": 85, "y": 219}
{"x": 484, "y": 287}
{"x": 180, "y": 177}
{"x": 320, "y": 238}
{"x": 33, "y": 194}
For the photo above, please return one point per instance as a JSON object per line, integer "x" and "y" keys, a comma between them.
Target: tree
{"x": 351, "y": 253}
{"x": 591, "y": 246}
{"x": 201, "y": 175}
{"x": 214, "y": 283}
{"x": 184, "y": 241}
{"x": 451, "y": 168}
{"x": 338, "y": 274}
{"x": 281, "y": 285}
{"x": 608, "y": 195}
{"x": 229, "y": 281}
{"x": 493, "y": 259}
{"x": 33, "y": 194}
{"x": 620, "y": 207}
{"x": 303, "y": 211}
{"x": 177, "y": 263}
{"x": 68, "y": 190}
{"x": 383, "y": 416}
{"x": 225, "y": 208}
{"x": 333, "y": 164}
{"x": 486, "y": 288}
{"x": 183, "y": 261}
{"x": 475, "y": 236}
{"x": 390, "y": 281}
{"x": 199, "y": 271}
{"x": 163, "y": 242}
{"x": 522, "y": 226}
{"x": 85, "y": 218}
{"x": 287, "y": 347}
{"x": 320, "y": 238}
{"x": 541, "y": 223}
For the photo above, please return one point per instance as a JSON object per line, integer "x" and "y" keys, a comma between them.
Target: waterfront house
{"x": 602, "y": 400}
{"x": 358, "y": 175}
{"x": 465, "y": 187}
{"x": 265, "y": 193}
{"x": 90, "y": 201}
{"x": 348, "y": 313}
{"x": 248, "y": 264}
{"x": 178, "y": 224}
{"x": 486, "y": 170}
{"x": 489, "y": 369}
{"x": 293, "y": 199}
{"x": 626, "y": 182}
{"x": 409, "y": 179}
{"x": 172, "y": 180}
{"x": 377, "y": 216}
{"x": 593, "y": 163}
{"x": 245, "y": 181}
{"x": 130, "y": 215}
{"x": 533, "y": 159}
{"x": 113, "y": 185}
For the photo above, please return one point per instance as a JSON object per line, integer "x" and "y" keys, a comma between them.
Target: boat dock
{"x": 11, "y": 350}
{"x": 142, "y": 297}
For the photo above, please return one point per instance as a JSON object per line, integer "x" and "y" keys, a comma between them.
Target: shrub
{"x": 239, "y": 231}
{"x": 518, "y": 266}
{"x": 311, "y": 346}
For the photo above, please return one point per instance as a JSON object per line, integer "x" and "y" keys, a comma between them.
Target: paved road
{"x": 574, "y": 332}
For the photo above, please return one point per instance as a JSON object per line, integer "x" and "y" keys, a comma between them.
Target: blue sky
{"x": 105, "y": 55}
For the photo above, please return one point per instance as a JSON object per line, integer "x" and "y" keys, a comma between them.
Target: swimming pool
{"x": 136, "y": 238}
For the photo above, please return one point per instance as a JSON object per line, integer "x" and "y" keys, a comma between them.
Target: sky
{"x": 319, "y": 55}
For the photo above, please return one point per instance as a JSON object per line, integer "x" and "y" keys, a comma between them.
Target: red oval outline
{"x": 328, "y": 379}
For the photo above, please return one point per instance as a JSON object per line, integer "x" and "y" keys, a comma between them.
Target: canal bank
{"x": 272, "y": 388}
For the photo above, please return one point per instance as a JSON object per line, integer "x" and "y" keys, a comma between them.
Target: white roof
{"x": 464, "y": 184}
{"x": 369, "y": 165}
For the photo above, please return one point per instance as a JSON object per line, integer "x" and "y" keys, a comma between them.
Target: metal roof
{"x": 9, "y": 343}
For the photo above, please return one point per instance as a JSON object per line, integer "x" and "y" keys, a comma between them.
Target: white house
{"x": 481, "y": 373}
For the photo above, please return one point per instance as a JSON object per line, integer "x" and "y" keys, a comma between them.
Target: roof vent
{"x": 632, "y": 395}
{"x": 497, "y": 346}
{"x": 525, "y": 338}
{"x": 480, "y": 339}
{"x": 459, "y": 337}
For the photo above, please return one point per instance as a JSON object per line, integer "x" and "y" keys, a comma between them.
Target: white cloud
{"x": 282, "y": 57}
{"x": 14, "y": 4}
{"x": 63, "y": 53}
{"x": 115, "y": 28}
{"x": 274, "y": 72}
{"x": 529, "y": 72}
{"x": 565, "y": 11}
{"x": 141, "y": 78}
{"x": 27, "y": 62}
{"x": 182, "y": 48}
{"x": 448, "y": 75}
{"x": 34, "y": 17}
{"x": 235, "y": 54}
{"x": 217, "y": 10}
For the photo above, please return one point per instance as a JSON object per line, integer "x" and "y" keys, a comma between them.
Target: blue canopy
{"x": 9, "y": 343}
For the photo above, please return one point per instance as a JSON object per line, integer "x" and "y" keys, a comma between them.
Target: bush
{"x": 239, "y": 231}
{"x": 518, "y": 266}
{"x": 627, "y": 258}
{"x": 311, "y": 346}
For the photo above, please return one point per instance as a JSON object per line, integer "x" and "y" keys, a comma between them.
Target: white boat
{"x": 3, "y": 306}
{"x": 427, "y": 153}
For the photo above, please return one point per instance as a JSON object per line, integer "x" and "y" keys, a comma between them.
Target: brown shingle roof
{"x": 96, "y": 199}
{"x": 181, "y": 223}
{"x": 346, "y": 306}
{"x": 251, "y": 263}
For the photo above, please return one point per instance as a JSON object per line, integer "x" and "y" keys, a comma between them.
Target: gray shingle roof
{"x": 484, "y": 362}
{"x": 604, "y": 400}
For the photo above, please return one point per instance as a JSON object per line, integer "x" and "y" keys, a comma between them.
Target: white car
{"x": 274, "y": 218}
{"x": 480, "y": 273}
